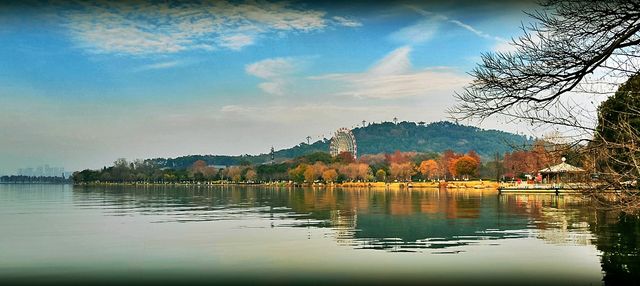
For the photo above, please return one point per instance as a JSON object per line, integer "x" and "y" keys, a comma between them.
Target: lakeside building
{"x": 562, "y": 172}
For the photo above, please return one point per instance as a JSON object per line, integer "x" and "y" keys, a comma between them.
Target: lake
{"x": 57, "y": 234}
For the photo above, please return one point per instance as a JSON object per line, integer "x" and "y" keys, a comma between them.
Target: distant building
{"x": 42, "y": 171}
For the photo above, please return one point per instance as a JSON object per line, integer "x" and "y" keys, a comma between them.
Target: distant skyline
{"x": 86, "y": 83}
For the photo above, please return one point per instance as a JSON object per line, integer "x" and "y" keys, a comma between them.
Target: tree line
{"x": 314, "y": 167}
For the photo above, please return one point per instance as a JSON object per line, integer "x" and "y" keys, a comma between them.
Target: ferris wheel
{"x": 343, "y": 141}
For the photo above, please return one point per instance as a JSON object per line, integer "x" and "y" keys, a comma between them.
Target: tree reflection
{"x": 396, "y": 220}
{"x": 618, "y": 238}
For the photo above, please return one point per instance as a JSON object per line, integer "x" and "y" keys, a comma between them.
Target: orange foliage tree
{"x": 329, "y": 175}
{"x": 445, "y": 161}
{"x": 355, "y": 171}
{"x": 428, "y": 169}
{"x": 466, "y": 166}
{"x": 450, "y": 162}
{"x": 402, "y": 171}
{"x": 399, "y": 157}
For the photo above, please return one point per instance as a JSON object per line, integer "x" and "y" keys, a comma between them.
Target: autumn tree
{"x": 445, "y": 162}
{"x": 355, "y": 171}
{"x": 251, "y": 175}
{"x": 210, "y": 172}
{"x": 364, "y": 172}
{"x": 329, "y": 175}
{"x": 297, "y": 174}
{"x": 234, "y": 173}
{"x": 399, "y": 157}
{"x": 466, "y": 166}
{"x": 200, "y": 171}
{"x": 428, "y": 168}
{"x": 345, "y": 157}
{"x": 453, "y": 171}
{"x": 198, "y": 166}
{"x": 376, "y": 161}
{"x": 318, "y": 169}
{"x": 474, "y": 155}
{"x": 309, "y": 175}
{"x": 402, "y": 171}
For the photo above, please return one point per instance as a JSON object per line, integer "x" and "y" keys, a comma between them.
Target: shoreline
{"x": 345, "y": 185}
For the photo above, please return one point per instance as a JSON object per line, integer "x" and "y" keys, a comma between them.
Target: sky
{"x": 85, "y": 83}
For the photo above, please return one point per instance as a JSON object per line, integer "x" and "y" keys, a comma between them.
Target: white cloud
{"x": 140, "y": 28}
{"x": 161, "y": 65}
{"x": 504, "y": 47}
{"x": 425, "y": 29}
{"x": 417, "y": 33}
{"x": 347, "y": 22}
{"x": 393, "y": 77}
{"x": 236, "y": 42}
{"x": 396, "y": 62}
{"x": 276, "y": 72}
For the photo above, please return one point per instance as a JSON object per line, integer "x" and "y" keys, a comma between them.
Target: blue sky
{"x": 83, "y": 84}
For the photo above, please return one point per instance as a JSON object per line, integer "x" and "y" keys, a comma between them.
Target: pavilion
{"x": 562, "y": 172}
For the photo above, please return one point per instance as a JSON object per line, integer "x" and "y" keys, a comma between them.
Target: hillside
{"x": 384, "y": 138}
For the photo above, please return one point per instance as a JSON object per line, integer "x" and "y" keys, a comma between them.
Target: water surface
{"x": 60, "y": 234}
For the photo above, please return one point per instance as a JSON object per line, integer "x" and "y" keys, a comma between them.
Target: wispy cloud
{"x": 393, "y": 77}
{"x": 161, "y": 65}
{"x": 140, "y": 28}
{"x": 347, "y": 22}
{"x": 417, "y": 33}
{"x": 236, "y": 42}
{"x": 276, "y": 72}
{"x": 432, "y": 19}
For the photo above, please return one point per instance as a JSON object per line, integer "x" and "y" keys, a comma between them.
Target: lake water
{"x": 56, "y": 234}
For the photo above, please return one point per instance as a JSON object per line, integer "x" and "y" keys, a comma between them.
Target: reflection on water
{"x": 445, "y": 228}
{"x": 363, "y": 219}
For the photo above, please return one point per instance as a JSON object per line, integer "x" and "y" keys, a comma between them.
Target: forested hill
{"x": 434, "y": 137}
{"x": 384, "y": 138}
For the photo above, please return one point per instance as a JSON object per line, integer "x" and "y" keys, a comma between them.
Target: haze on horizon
{"x": 86, "y": 83}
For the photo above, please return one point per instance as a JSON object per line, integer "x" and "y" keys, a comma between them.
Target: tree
{"x": 297, "y": 174}
{"x": 364, "y": 172}
{"x": 453, "y": 171}
{"x": 474, "y": 155}
{"x": 428, "y": 168}
{"x": 352, "y": 171}
{"x": 575, "y": 47}
{"x": 616, "y": 144}
{"x": 318, "y": 169}
{"x": 235, "y": 173}
{"x": 309, "y": 174}
{"x": 619, "y": 126}
{"x": 198, "y": 169}
{"x": 345, "y": 157}
{"x": 121, "y": 171}
{"x": 251, "y": 175}
{"x": 402, "y": 171}
{"x": 210, "y": 172}
{"x": 445, "y": 162}
{"x": 466, "y": 166}
{"x": 381, "y": 175}
{"x": 399, "y": 157}
{"x": 329, "y": 175}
